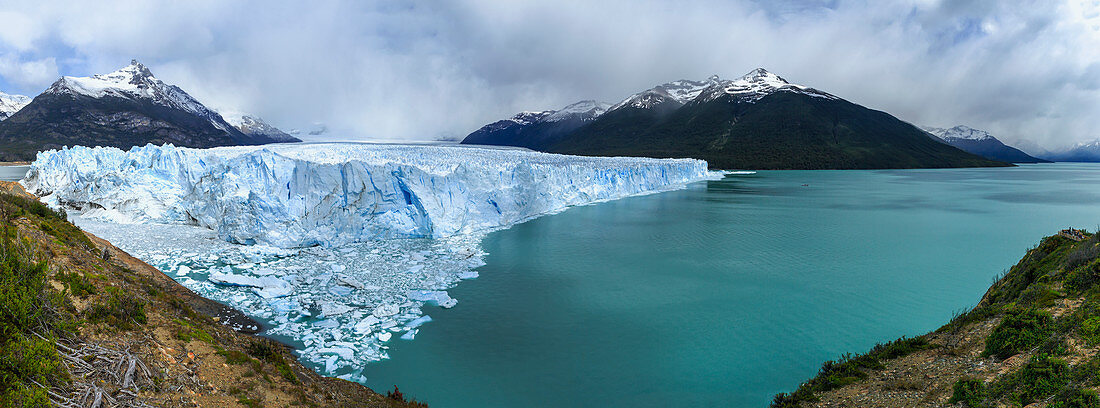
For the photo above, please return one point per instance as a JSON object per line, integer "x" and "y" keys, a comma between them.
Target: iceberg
{"x": 292, "y": 196}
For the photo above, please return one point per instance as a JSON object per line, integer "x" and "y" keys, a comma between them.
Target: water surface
{"x": 729, "y": 291}
{"x": 13, "y": 173}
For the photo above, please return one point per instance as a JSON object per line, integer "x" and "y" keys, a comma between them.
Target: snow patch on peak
{"x": 135, "y": 81}
{"x": 757, "y": 84}
{"x": 680, "y": 92}
{"x": 585, "y": 110}
{"x": 960, "y": 132}
{"x": 529, "y": 117}
{"x": 9, "y": 104}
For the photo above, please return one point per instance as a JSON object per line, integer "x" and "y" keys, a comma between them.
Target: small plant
{"x": 1020, "y": 330}
{"x": 78, "y": 284}
{"x": 969, "y": 391}
{"x": 119, "y": 310}
{"x": 1076, "y": 398}
{"x": 1040, "y": 378}
{"x": 395, "y": 395}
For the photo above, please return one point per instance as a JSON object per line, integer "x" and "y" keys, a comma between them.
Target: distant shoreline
{"x": 15, "y": 163}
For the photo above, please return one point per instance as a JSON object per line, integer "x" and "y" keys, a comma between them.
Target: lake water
{"x": 13, "y": 173}
{"x": 729, "y": 291}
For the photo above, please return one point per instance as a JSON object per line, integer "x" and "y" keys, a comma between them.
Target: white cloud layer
{"x": 1028, "y": 71}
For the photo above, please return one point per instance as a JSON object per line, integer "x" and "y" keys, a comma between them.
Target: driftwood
{"x": 102, "y": 377}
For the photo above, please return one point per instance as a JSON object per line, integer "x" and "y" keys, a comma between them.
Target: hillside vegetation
{"x": 1033, "y": 340}
{"x": 86, "y": 325}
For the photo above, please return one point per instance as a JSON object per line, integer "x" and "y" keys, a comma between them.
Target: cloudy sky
{"x": 1027, "y": 71}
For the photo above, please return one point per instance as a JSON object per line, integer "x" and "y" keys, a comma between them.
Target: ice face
{"x": 330, "y": 194}
{"x": 188, "y": 212}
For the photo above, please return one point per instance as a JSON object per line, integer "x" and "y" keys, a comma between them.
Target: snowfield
{"x": 331, "y": 194}
{"x": 346, "y": 244}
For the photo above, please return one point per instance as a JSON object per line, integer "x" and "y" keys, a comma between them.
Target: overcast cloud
{"x": 1029, "y": 71}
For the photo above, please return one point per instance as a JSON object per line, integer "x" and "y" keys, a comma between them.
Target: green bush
{"x": 969, "y": 391}
{"x": 849, "y": 369}
{"x": 1076, "y": 398}
{"x": 119, "y": 310}
{"x": 1041, "y": 377}
{"x": 1020, "y": 330}
{"x": 1090, "y": 330}
{"x": 29, "y": 322}
{"x": 78, "y": 285}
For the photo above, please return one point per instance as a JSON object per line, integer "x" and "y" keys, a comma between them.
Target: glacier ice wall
{"x": 343, "y": 301}
{"x": 332, "y": 194}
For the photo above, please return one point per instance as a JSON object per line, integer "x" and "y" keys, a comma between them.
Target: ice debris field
{"x": 337, "y": 247}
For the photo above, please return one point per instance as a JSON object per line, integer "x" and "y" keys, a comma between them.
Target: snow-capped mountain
{"x": 1081, "y": 152}
{"x": 981, "y": 143}
{"x": 583, "y": 110}
{"x": 750, "y": 87}
{"x": 137, "y": 83}
{"x": 125, "y": 108}
{"x": 758, "y": 120}
{"x": 256, "y": 127}
{"x": 677, "y": 93}
{"x": 9, "y": 104}
{"x": 534, "y": 129}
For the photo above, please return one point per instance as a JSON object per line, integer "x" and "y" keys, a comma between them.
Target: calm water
{"x": 13, "y": 173}
{"x": 729, "y": 291}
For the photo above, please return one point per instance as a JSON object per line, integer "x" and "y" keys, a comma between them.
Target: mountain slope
{"x": 254, "y": 126}
{"x": 761, "y": 121}
{"x": 9, "y": 104}
{"x": 534, "y": 130}
{"x": 1082, "y": 152}
{"x": 757, "y": 121}
{"x": 1032, "y": 341}
{"x": 125, "y": 108}
{"x": 982, "y": 144}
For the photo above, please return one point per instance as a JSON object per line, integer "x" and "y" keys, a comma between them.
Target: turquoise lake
{"x": 729, "y": 291}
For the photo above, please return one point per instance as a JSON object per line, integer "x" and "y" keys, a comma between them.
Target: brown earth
{"x": 186, "y": 354}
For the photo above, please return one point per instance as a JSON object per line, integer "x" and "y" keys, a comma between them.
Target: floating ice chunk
{"x": 363, "y": 327}
{"x": 386, "y": 310}
{"x": 333, "y": 309}
{"x": 330, "y": 364}
{"x": 349, "y": 281}
{"x": 183, "y": 270}
{"x": 343, "y": 352}
{"x": 409, "y": 335}
{"x": 468, "y": 275}
{"x": 234, "y": 280}
{"x": 384, "y": 336}
{"x": 418, "y": 322}
{"x": 436, "y": 297}
{"x": 264, "y": 272}
{"x": 327, "y": 324}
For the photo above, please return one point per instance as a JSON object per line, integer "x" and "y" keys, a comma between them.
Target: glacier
{"x": 335, "y": 248}
{"x": 292, "y": 196}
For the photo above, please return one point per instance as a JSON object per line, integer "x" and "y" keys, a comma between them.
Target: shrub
{"x": 1041, "y": 377}
{"x": 78, "y": 285}
{"x": 1020, "y": 330}
{"x": 29, "y": 322}
{"x": 1076, "y": 398}
{"x": 119, "y": 310}
{"x": 1090, "y": 330}
{"x": 969, "y": 391}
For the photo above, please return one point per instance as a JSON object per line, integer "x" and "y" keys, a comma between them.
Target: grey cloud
{"x": 418, "y": 70}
